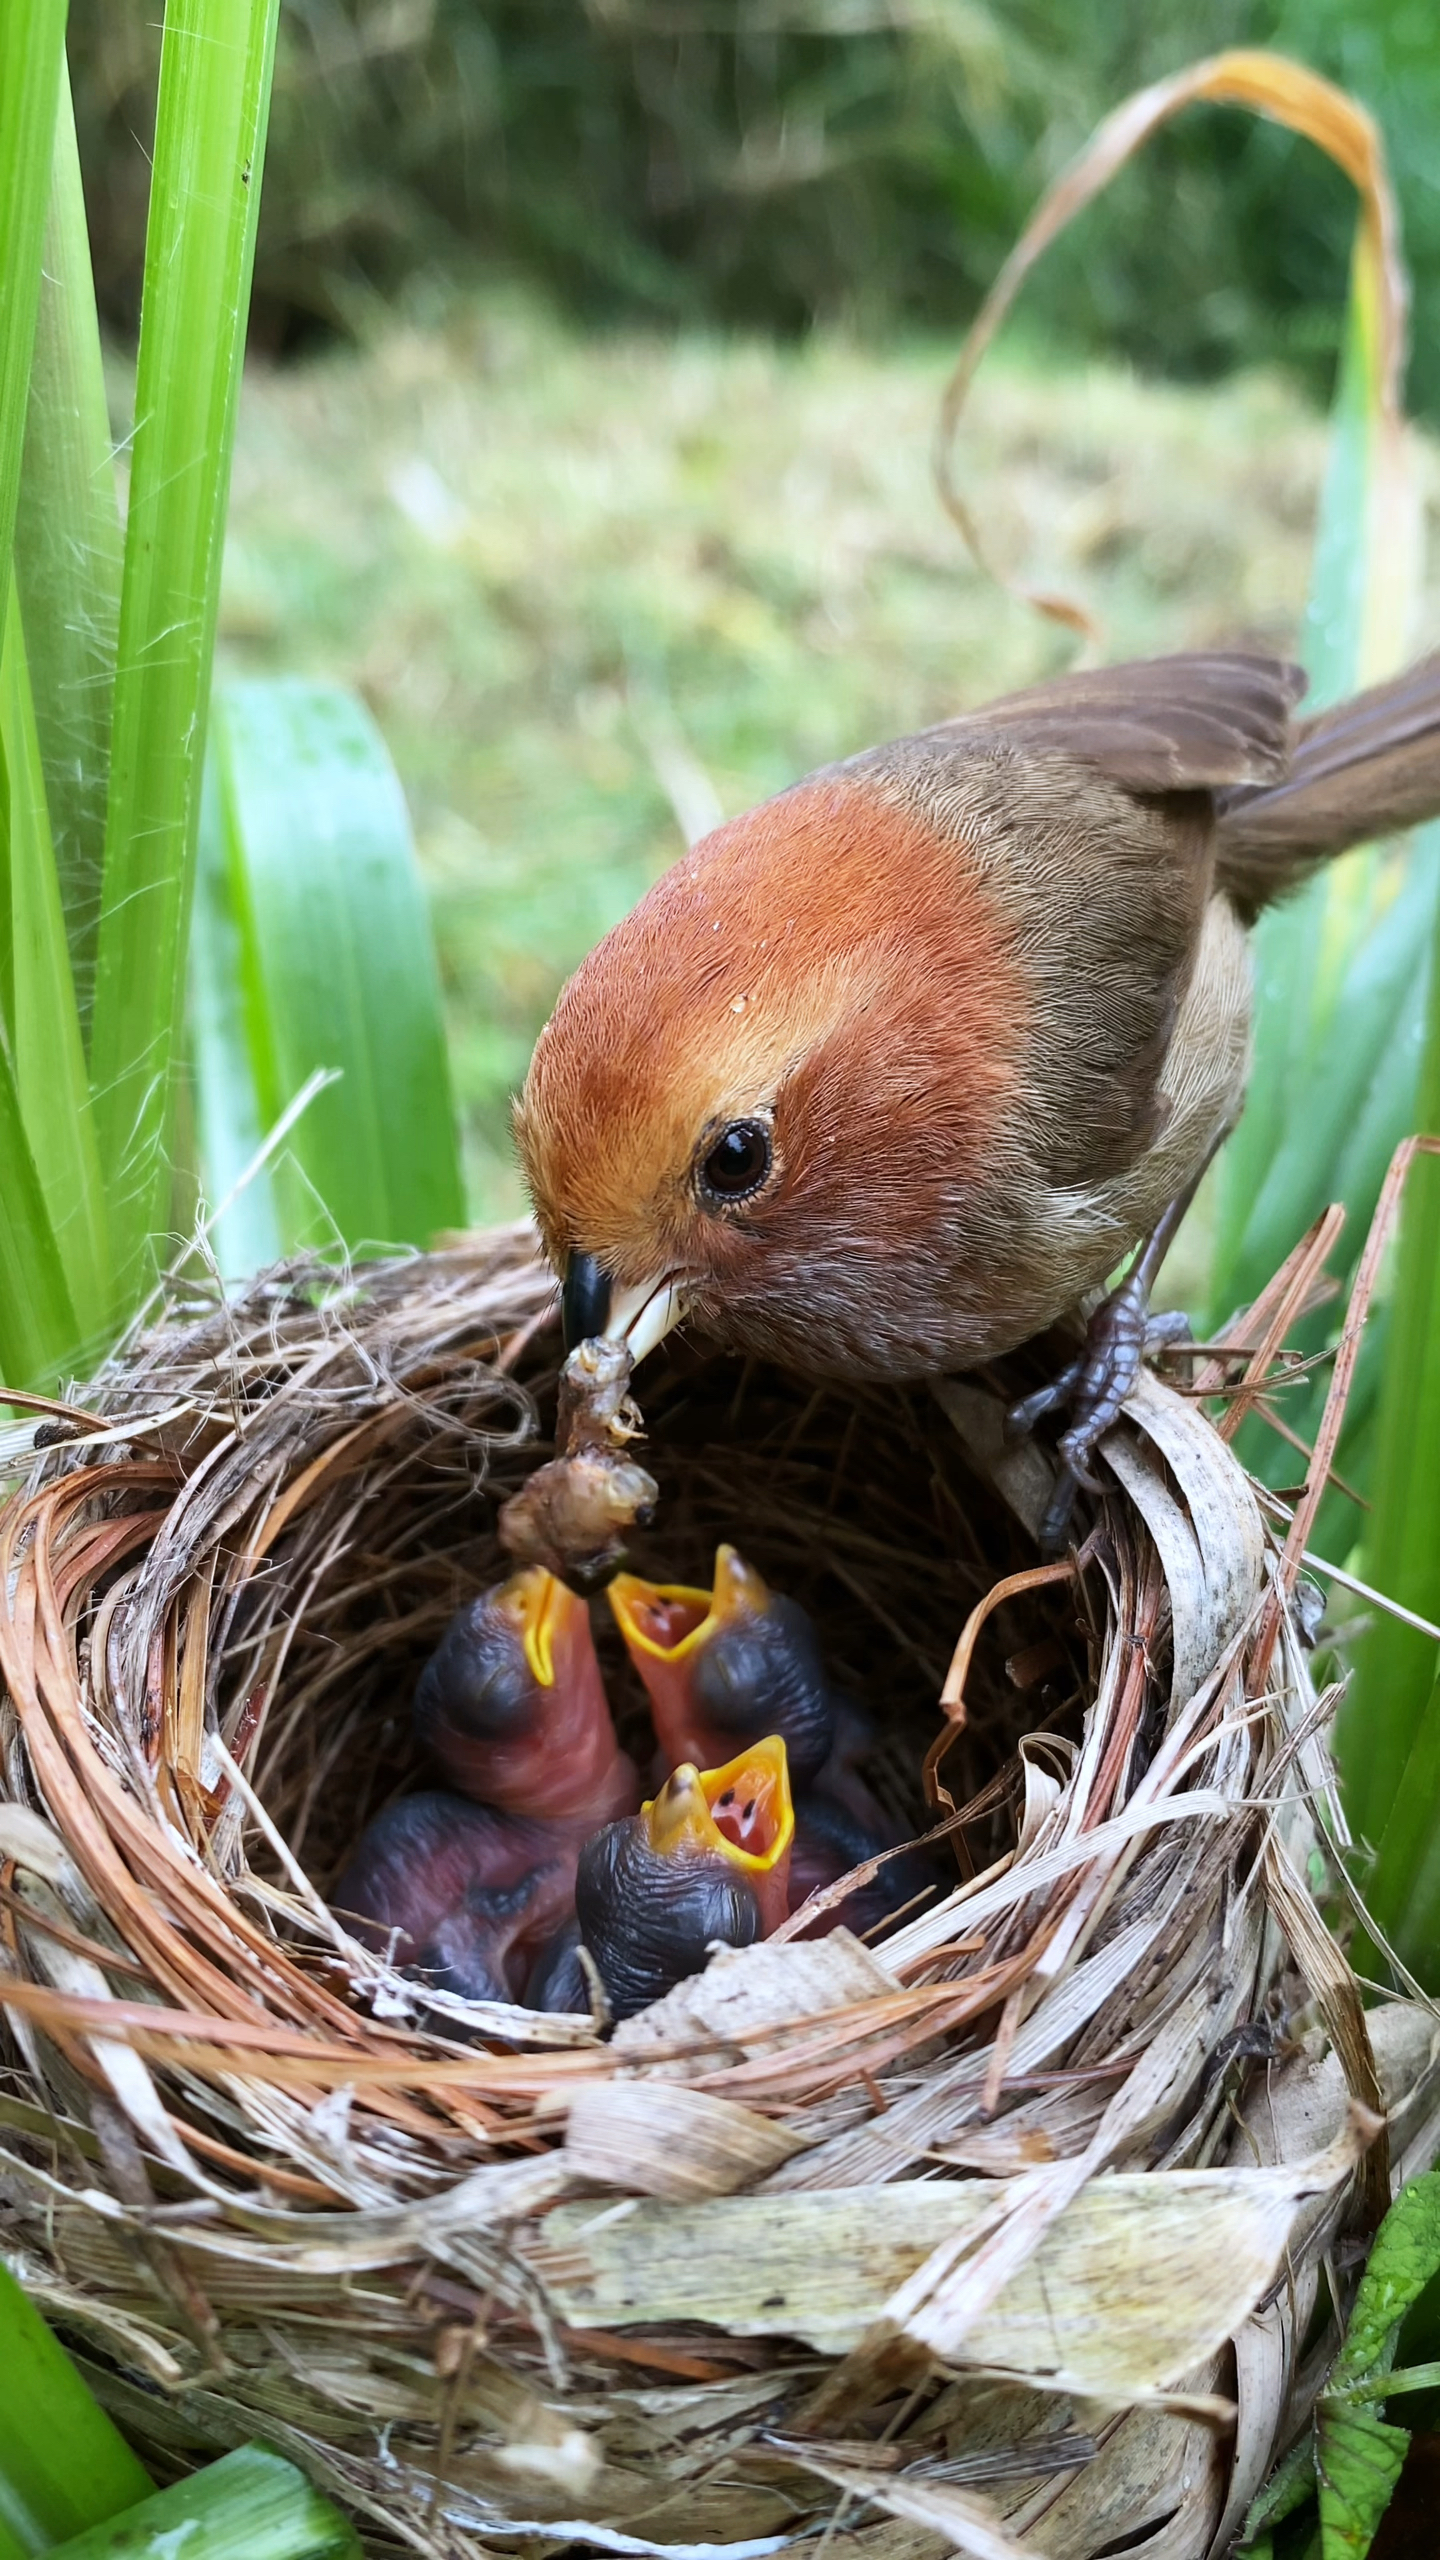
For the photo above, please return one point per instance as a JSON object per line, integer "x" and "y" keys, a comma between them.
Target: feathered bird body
{"x": 972, "y": 1007}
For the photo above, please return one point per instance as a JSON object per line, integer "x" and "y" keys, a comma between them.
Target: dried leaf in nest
{"x": 662, "y": 2139}
{"x": 574, "y": 1515}
{"x": 1138, "y": 2283}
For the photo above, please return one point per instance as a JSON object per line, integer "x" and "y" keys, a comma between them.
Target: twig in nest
{"x": 573, "y": 1515}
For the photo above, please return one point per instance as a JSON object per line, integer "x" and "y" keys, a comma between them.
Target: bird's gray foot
{"x": 1093, "y": 1388}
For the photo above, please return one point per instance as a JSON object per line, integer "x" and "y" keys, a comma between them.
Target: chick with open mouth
{"x": 724, "y": 1666}
{"x": 704, "y": 1863}
{"x": 512, "y": 1706}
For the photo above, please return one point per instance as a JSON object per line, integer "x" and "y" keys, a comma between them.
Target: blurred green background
{"x": 595, "y": 358}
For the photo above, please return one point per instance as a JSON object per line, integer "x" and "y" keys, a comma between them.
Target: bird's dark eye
{"x": 739, "y": 1161}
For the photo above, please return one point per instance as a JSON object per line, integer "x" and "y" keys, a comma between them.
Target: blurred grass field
{"x": 595, "y": 586}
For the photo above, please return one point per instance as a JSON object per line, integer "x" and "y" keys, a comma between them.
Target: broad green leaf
{"x": 1358, "y": 2459}
{"x": 215, "y": 70}
{"x": 246, "y": 1235}
{"x": 251, "y": 2505}
{"x": 338, "y": 970}
{"x": 63, "y": 2466}
{"x": 1350, "y": 2454}
{"x": 46, "y": 1056}
{"x": 68, "y": 554}
{"x": 32, "y": 52}
{"x": 1405, "y": 2255}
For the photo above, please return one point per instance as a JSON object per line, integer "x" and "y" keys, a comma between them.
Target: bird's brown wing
{"x": 1090, "y": 802}
{"x": 1196, "y": 722}
{"x": 1366, "y": 768}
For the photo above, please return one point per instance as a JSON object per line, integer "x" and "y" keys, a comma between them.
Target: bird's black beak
{"x": 584, "y": 1300}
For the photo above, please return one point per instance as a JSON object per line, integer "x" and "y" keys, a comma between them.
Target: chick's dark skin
{"x": 705, "y": 1863}
{"x": 465, "y": 1895}
{"x": 512, "y": 1706}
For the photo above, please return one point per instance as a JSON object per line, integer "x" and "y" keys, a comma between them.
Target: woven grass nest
{"x": 1024, "y": 2229}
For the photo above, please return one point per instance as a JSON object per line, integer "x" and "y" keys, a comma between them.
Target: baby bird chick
{"x": 721, "y": 1667}
{"x": 742, "y": 1659}
{"x": 467, "y": 1895}
{"x": 705, "y": 1862}
{"x": 512, "y": 1706}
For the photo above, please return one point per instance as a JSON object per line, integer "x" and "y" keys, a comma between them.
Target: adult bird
{"x": 884, "y": 1078}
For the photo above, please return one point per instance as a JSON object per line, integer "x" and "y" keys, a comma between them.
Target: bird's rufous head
{"x": 756, "y": 1097}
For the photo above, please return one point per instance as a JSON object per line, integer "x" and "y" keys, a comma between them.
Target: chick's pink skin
{"x": 435, "y": 1859}
{"x": 562, "y": 1762}
{"x": 661, "y": 1624}
{"x": 775, "y": 973}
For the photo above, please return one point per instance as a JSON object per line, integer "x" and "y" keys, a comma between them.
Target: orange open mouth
{"x": 741, "y": 1812}
{"x": 552, "y": 1622}
{"x": 666, "y": 1625}
{"x": 668, "y": 1621}
{"x": 662, "y": 1620}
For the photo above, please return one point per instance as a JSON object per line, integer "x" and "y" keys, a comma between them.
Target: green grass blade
{"x": 1353, "y": 632}
{"x": 63, "y": 2466}
{"x": 251, "y": 2505}
{"x": 339, "y": 968}
{"x": 68, "y": 553}
{"x": 1385, "y": 1107}
{"x": 46, "y": 1053}
{"x": 32, "y": 52}
{"x": 1362, "y": 1099}
{"x": 38, "y": 1332}
{"x": 1384, "y": 1713}
{"x": 1402, "y": 1889}
{"x": 230, "y": 1129}
{"x": 1359, "y": 1087}
{"x": 7, "y": 919}
{"x": 215, "y": 74}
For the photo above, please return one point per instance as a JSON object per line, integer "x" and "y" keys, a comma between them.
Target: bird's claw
{"x": 1075, "y": 1447}
{"x": 1021, "y": 1419}
{"x": 1162, "y": 1332}
{"x": 1094, "y": 1387}
{"x": 1055, "y": 1526}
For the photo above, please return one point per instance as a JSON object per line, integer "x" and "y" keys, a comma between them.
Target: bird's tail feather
{"x": 1366, "y": 769}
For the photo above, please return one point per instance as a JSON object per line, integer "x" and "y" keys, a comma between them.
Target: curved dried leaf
{"x": 1269, "y": 85}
